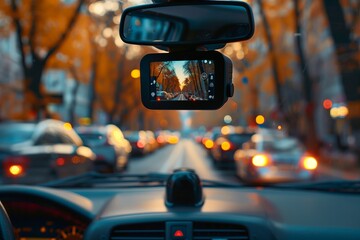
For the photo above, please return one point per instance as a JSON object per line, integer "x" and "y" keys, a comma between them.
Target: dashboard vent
{"x": 216, "y": 230}
{"x": 139, "y": 231}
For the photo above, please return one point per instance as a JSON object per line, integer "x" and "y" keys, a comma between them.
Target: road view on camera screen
{"x": 183, "y": 80}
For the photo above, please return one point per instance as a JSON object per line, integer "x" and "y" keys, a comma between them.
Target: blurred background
{"x": 299, "y": 74}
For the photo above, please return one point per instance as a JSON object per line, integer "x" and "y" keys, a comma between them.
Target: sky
{"x": 178, "y": 66}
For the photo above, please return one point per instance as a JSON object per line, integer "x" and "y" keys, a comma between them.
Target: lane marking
{"x": 176, "y": 157}
{"x": 198, "y": 160}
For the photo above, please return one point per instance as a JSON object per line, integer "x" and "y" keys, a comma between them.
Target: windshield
{"x": 92, "y": 139}
{"x": 283, "y": 145}
{"x": 132, "y": 136}
{"x": 297, "y": 79}
{"x": 239, "y": 138}
{"x": 12, "y": 134}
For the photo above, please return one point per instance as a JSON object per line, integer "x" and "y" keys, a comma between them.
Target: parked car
{"x": 38, "y": 152}
{"x": 227, "y": 143}
{"x": 139, "y": 142}
{"x": 150, "y": 136}
{"x": 274, "y": 158}
{"x": 109, "y": 144}
{"x": 161, "y": 137}
{"x": 209, "y": 138}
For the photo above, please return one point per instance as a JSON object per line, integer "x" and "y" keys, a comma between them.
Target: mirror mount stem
{"x": 194, "y": 48}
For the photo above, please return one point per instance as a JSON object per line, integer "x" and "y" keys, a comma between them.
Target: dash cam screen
{"x": 183, "y": 80}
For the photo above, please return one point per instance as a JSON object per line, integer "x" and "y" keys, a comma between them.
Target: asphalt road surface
{"x": 180, "y": 97}
{"x": 189, "y": 154}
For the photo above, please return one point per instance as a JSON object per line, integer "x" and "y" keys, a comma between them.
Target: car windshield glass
{"x": 132, "y": 136}
{"x": 239, "y": 138}
{"x": 281, "y": 145}
{"x": 13, "y": 135}
{"x": 92, "y": 139}
{"x": 294, "y": 115}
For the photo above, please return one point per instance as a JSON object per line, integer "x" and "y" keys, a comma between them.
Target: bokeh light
{"x": 260, "y": 119}
{"x": 227, "y": 119}
{"x": 135, "y": 73}
{"x": 327, "y": 104}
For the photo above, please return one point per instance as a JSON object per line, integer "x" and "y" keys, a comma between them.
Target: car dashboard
{"x": 140, "y": 213}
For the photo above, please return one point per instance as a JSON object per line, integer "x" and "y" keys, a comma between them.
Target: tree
{"x": 40, "y": 42}
{"x": 193, "y": 69}
{"x": 311, "y": 138}
{"x": 273, "y": 59}
{"x": 347, "y": 56}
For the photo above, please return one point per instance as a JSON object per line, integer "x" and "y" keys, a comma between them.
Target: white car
{"x": 273, "y": 158}
{"x": 111, "y": 148}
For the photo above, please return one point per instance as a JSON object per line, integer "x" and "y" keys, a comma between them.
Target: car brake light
{"x": 16, "y": 170}
{"x": 209, "y": 144}
{"x": 15, "y": 165}
{"x": 160, "y": 139}
{"x": 140, "y": 144}
{"x": 225, "y": 146}
{"x": 60, "y": 161}
{"x": 309, "y": 163}
{"x": 260, "y": 160}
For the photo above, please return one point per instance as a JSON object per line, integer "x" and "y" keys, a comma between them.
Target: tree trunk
{"x": 141, "y": 122}
{"x": 195, "y": 77}
{"x": 346, "y": 49}
{"x": 274, "y": 64}
{"x": 311, "y": 140}
{"x": 92, "y": 91}
{"x": 204, "y": 92}
{"x": 34, "y": 71}
{"x": 346, "y": 53}
{"x": 37, "y": 102}
{"x": 73, "y": 103}
{"x": 118, "y": 87}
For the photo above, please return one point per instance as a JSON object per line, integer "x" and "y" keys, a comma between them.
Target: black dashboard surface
{"x": 268, "y": 213}
{"x": 265, "y": 213}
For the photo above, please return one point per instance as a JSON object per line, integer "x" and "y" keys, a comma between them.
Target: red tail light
{"x": 140, "y": 144}
{"x": 60, "y": 161}
{"x": 15, "y": 166}
{"x": 160, "y": 139}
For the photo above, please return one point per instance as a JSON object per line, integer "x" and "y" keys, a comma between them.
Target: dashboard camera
{"x": 182, "y": 80}
{"x": 192, "y": 75}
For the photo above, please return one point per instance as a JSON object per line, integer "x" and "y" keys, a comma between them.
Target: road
{"x": 186, "y": 154}
{"x": 180, "y": 97}
{"x": 189, "y": 154}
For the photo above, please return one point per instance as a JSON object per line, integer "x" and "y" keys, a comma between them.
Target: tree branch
{"x": 19, "y": 32}
{"x": 32, "y": 30}
{"x": 67, "y": 31}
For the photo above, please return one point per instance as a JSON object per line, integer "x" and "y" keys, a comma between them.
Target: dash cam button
{"x": 211, "y": 76}
{"x": 230, "y": 90}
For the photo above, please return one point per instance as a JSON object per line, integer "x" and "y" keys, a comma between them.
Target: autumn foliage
{"x": 284, "y": 72}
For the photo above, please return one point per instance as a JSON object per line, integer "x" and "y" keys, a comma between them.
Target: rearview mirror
{"x": 197, "y": 23}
